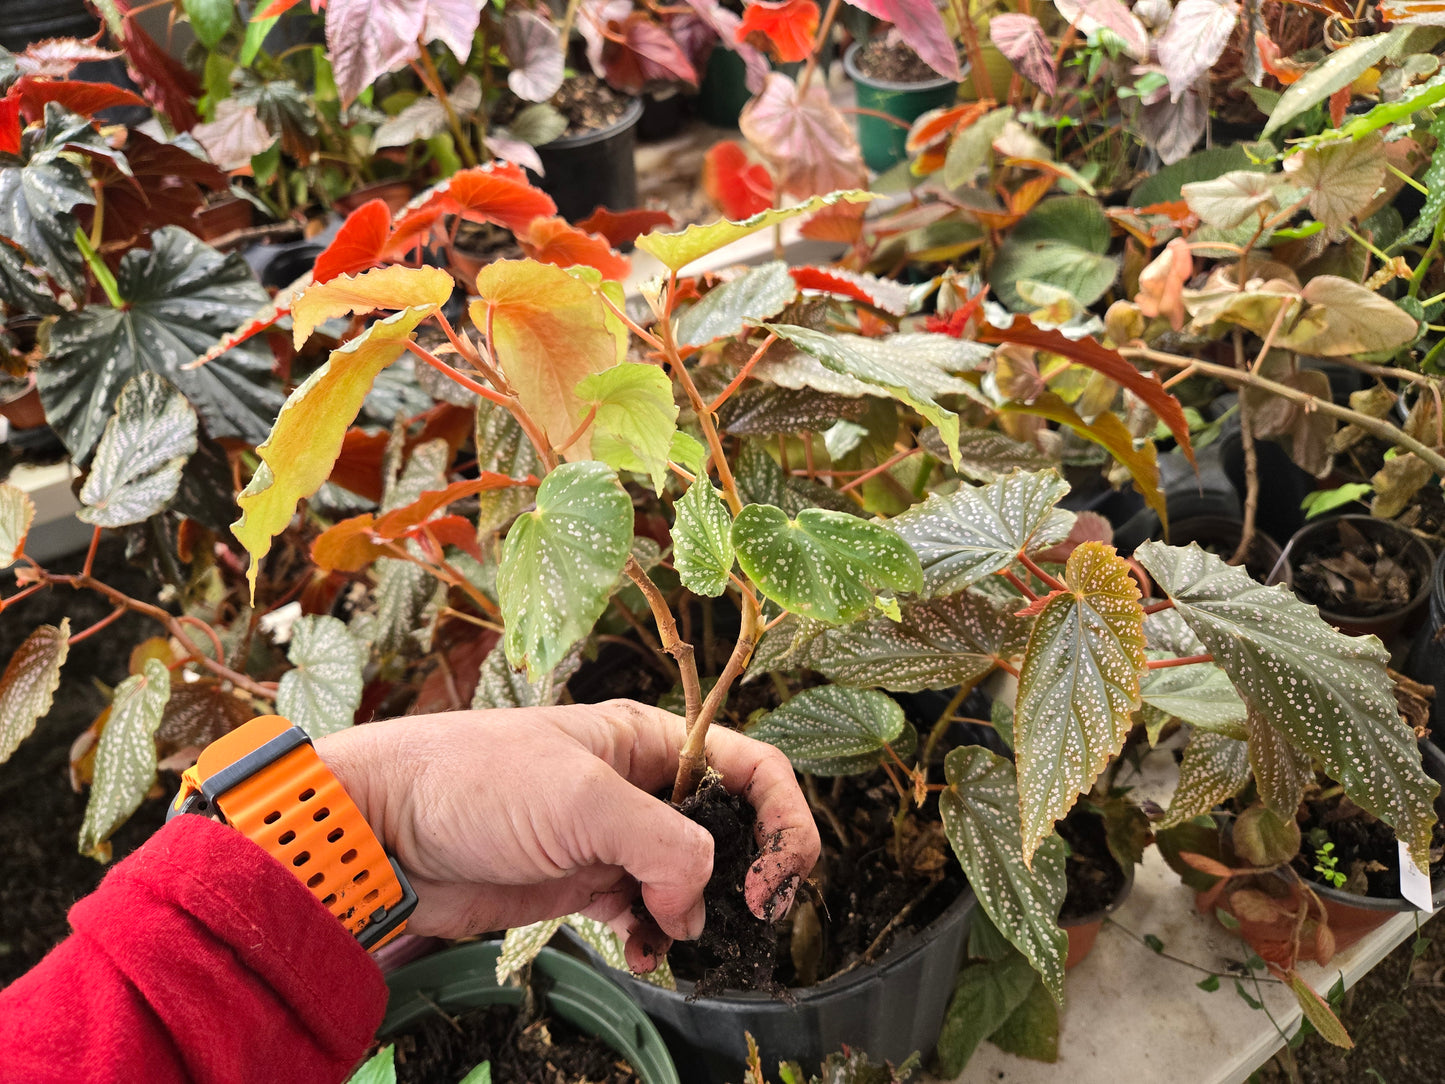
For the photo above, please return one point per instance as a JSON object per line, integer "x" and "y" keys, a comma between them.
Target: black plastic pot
{"x": 663, "y": 115}
{"x": 1414, "y": 553}
{"x": 1426, "y": 661}
{"x": 883, "y": 142}
{"x": 288, "y": 263}
{"x": 593, "y": 169}
{"x": 24, "y": 22}
{"x": 889, "y": 1009}
{"x": 465, "y": 977}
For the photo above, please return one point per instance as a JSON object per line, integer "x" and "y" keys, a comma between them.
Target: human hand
{"x": 509, "y": 816}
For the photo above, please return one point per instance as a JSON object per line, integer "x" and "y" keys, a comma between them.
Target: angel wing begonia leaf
{"x": 1021, "y": 39}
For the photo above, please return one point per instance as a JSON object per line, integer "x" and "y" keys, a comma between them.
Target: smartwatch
{"x": 265, "y": 780}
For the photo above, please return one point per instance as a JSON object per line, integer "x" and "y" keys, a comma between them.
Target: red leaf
{"x": 399, "y": 521}
{"x": 455, "y": 531}
{"x": 623, "y": 227}
{"x": 56, "y": 58}
{"x": 738, "y": 187}
{"x": 647, "y": 54}
{"x": 165, "y": 187}
{"x": 556, "y": 241}
{"x": 1089, "y": 353}
{"x": 358, "y": 244}
{"x": 274, "y": 8}
{"x": 1021, "y": 39}
{"x": 498, "y": 192}
{"x": 87, "y": 99}
{"x": 1339, "y": 102}
{"x": 358, "y": 467}
{"x": 920, "y": 24}
{"x": 167, "y": 85}
{"x": 347, "y": 546}
{"x": 884, "y": 294}
{"x": 10, "y": 125}
{"x": 787, "y": 29}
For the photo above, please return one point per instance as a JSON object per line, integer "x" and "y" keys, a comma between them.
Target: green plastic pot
{"x": 883, "y": 141}
{"x": 465, "y": 977}
{"x": 724, "y": 90}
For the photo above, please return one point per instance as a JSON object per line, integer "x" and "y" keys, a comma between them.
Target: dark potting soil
{"x": 546, "y": 1051}
{"x": 585, "y": 101}
{"x": 1351, "y": 574}
{"x": 1094, "y": 877}
{"x": 1365, "y": 848}
{"x": 893, "y": 62}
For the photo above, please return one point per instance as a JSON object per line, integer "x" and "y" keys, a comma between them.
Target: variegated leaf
{"x": 937, "y": 644}
{"x": 824, "y": 564}
{"x": 29, "y": 683}
{"x": 984, "y": 455}
{"x": 1328, "y": 693}
{"x": 754, "y": 296}
{"x": 1281, "y": 772}
{"x": 830, "y": 730}
{"x": 521, "y": 945}
{"x": 1078, "y": 687}
{"x": 1199, "y": 694}
{"x": 980, "y": 810}
{"x": 137, "y": 465}
{"x": 609, "y": 946}
{"x": 980, "y": 530}
{"x": 322, "y": 693}
{"x": 702, "y": 548}
{"x": 503, "y": 447}
{"x": 125, "y": 759}
{"x": 1214, "y": 770}
{"x": 500, "y": 686}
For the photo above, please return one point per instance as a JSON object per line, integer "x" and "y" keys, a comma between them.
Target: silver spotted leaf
{"x": 500, "y": 686}
{"x": 322, "y": 692}
{"x": 1214, "y": 769}
{"x": 791, "y": 644}
{"x": 914, "y": 368}
{"x": 937, "y": 644}
{"x": 1328, "y": 693}
{"x": 522, "y": 944}
{"x": 125, "y": 758}
{"x": 830, "y": 730}
{"x": 702, "y": 547}
{"x": 978, "y": 531}
{"x": 561, "y": 562}
{"x": 609, "y": 946}
{"x": 137, "y": 465}
{"x": 1078, "y": 687}
{"x": 503, "y": 448}
{"x": 724, "y": 311}
{"x": 984, "y": 455}
{"x": 1281, "y": 772}
{"x": 759, "y": 478}
{"x": 765, "y": 411}
{"x": 980, "y": 810}
{"x": 28, "y": 685}
{"x": 826, "y": 565}
{"x": 1199, "y": 694}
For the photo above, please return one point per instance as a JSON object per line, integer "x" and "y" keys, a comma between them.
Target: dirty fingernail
{"x": 696, "y": 919}
{"x": 782, "y": 900}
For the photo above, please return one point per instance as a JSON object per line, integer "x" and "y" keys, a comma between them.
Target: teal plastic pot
{"x": 465, "y": 977}
{"x": 882, "y": 141}
{"x": 724, "y": 90}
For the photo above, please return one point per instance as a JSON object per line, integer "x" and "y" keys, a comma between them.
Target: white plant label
{"x": 1414, "y": 885}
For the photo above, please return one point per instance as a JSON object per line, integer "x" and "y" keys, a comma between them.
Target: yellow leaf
{"x": 548, "y": 331}
{"x": 306, "y": 439}
{"x": 381, "y": 288}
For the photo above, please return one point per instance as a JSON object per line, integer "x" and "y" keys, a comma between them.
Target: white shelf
{"x": 55, "y": 531}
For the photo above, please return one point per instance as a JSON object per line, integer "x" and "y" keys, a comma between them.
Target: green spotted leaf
{"x": 137, "y": 465}
{"x": 17, "y": 512}
{"x": 702, "y": 547}
{"x": 980, "y": 810}
{"x": 635, "y": 420}
{"x": 752, "y": 297}
{"x": 830, "y": 730}
{"x": 1032, "y": 1030}
{"x": 791, "y": 644}
{"x": 322, "y": 692}
{"x": 1199, "y": 694}
{"x": 1078, "y": 687}
{"x": 522, "y": 944}
{"x": 759, "y": 478}
{"x": 978, "y": 531}
{"x": 1281, "y": 772}
{"x": 824, "y": 564}
{"x": 500, "y": 686}
{"x": 1214, "y": 769}
{"x": 561, "y": 562}
{"x": 125, "y": 758}
{"x": 28, "y": 685}
{"x": 935, "y": 644}
{"x": 1328, "y": 693}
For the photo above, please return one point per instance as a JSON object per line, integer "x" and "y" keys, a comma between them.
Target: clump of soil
{"x": 891, "y": 61}
{"x": 737, "y": 950}
{"x": 1356, "y": 575}
{"x": 587, "y": 103}
{"x": 1365, "y": 850}
{"x": 442, "y": 1050}
{"x": 1094, "y": 877}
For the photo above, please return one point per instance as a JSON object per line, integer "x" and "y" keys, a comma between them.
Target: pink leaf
{"x": 55, "y": 58}
{"x": 1161, "y": 284}
{"x": 1021, "y": 39}
{"x": 806, "y": 141}
{"x": 1088, "y": 527}
{"x": 1089, "y": 15}
{"x": 454, "y": 24}
{"x": 534, "y": 53}
{"x": 367, "y": 38}
{"x": 235, "y": 136}
{"x": 1195, "y": 38}
{"x": 920, "y": 24}
{"x": 517, "y": 151}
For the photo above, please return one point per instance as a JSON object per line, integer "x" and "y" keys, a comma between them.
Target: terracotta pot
{"x": 24, "y": 410}
{"x": 394, "y": 194}
{"x": 1084, "y": 929}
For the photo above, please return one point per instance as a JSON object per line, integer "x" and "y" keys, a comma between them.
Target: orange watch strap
{"x": 267, "y": 782}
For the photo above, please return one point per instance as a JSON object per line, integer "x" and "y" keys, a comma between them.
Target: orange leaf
{"x": 1211, "y": 866}
{"x": 275, "y": 8}
{"x": 358, "y": 244}
{"x": 1036, "y": 607}
{"x": 358, "y": 467}
{"x": 1091, "y": 354}
{"x": 455, "y": 531}
{"x": 348, "y": 546}
{"x": 623, "y": 227}
{"x": 1339, "y": 102}
{"x": 738, "y": 187}
{"x": 884, "y": 294}
{"x": 398, "y": 521}
{"x": 786, "y": 29}
{"x": 498, "y": 192}
{"x": 413, "y": 229}
{"x": 1281, "y": 67}
{"x": 87, "y": 99}
{"x": 842, "y": 222}
{"x": 558, "y": 242}
{"x": 1161, "y": 284}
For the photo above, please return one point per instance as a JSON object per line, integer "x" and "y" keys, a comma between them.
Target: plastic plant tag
{"x": 1414, "y": 885}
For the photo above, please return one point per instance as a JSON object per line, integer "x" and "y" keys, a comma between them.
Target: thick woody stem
{"x": 692, "y": 761}
{"x": 672, "y": 643}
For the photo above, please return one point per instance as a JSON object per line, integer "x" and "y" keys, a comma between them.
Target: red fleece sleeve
{"x": 199, "y": 958}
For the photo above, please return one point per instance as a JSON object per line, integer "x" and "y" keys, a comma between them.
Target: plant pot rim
{"x": 837, "y": 986}
{"x": 1285, "y": 567}
{"x": 630, "y": 116}
{"x": 850, "y": 65}
{"x": 1108, "y": 909}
